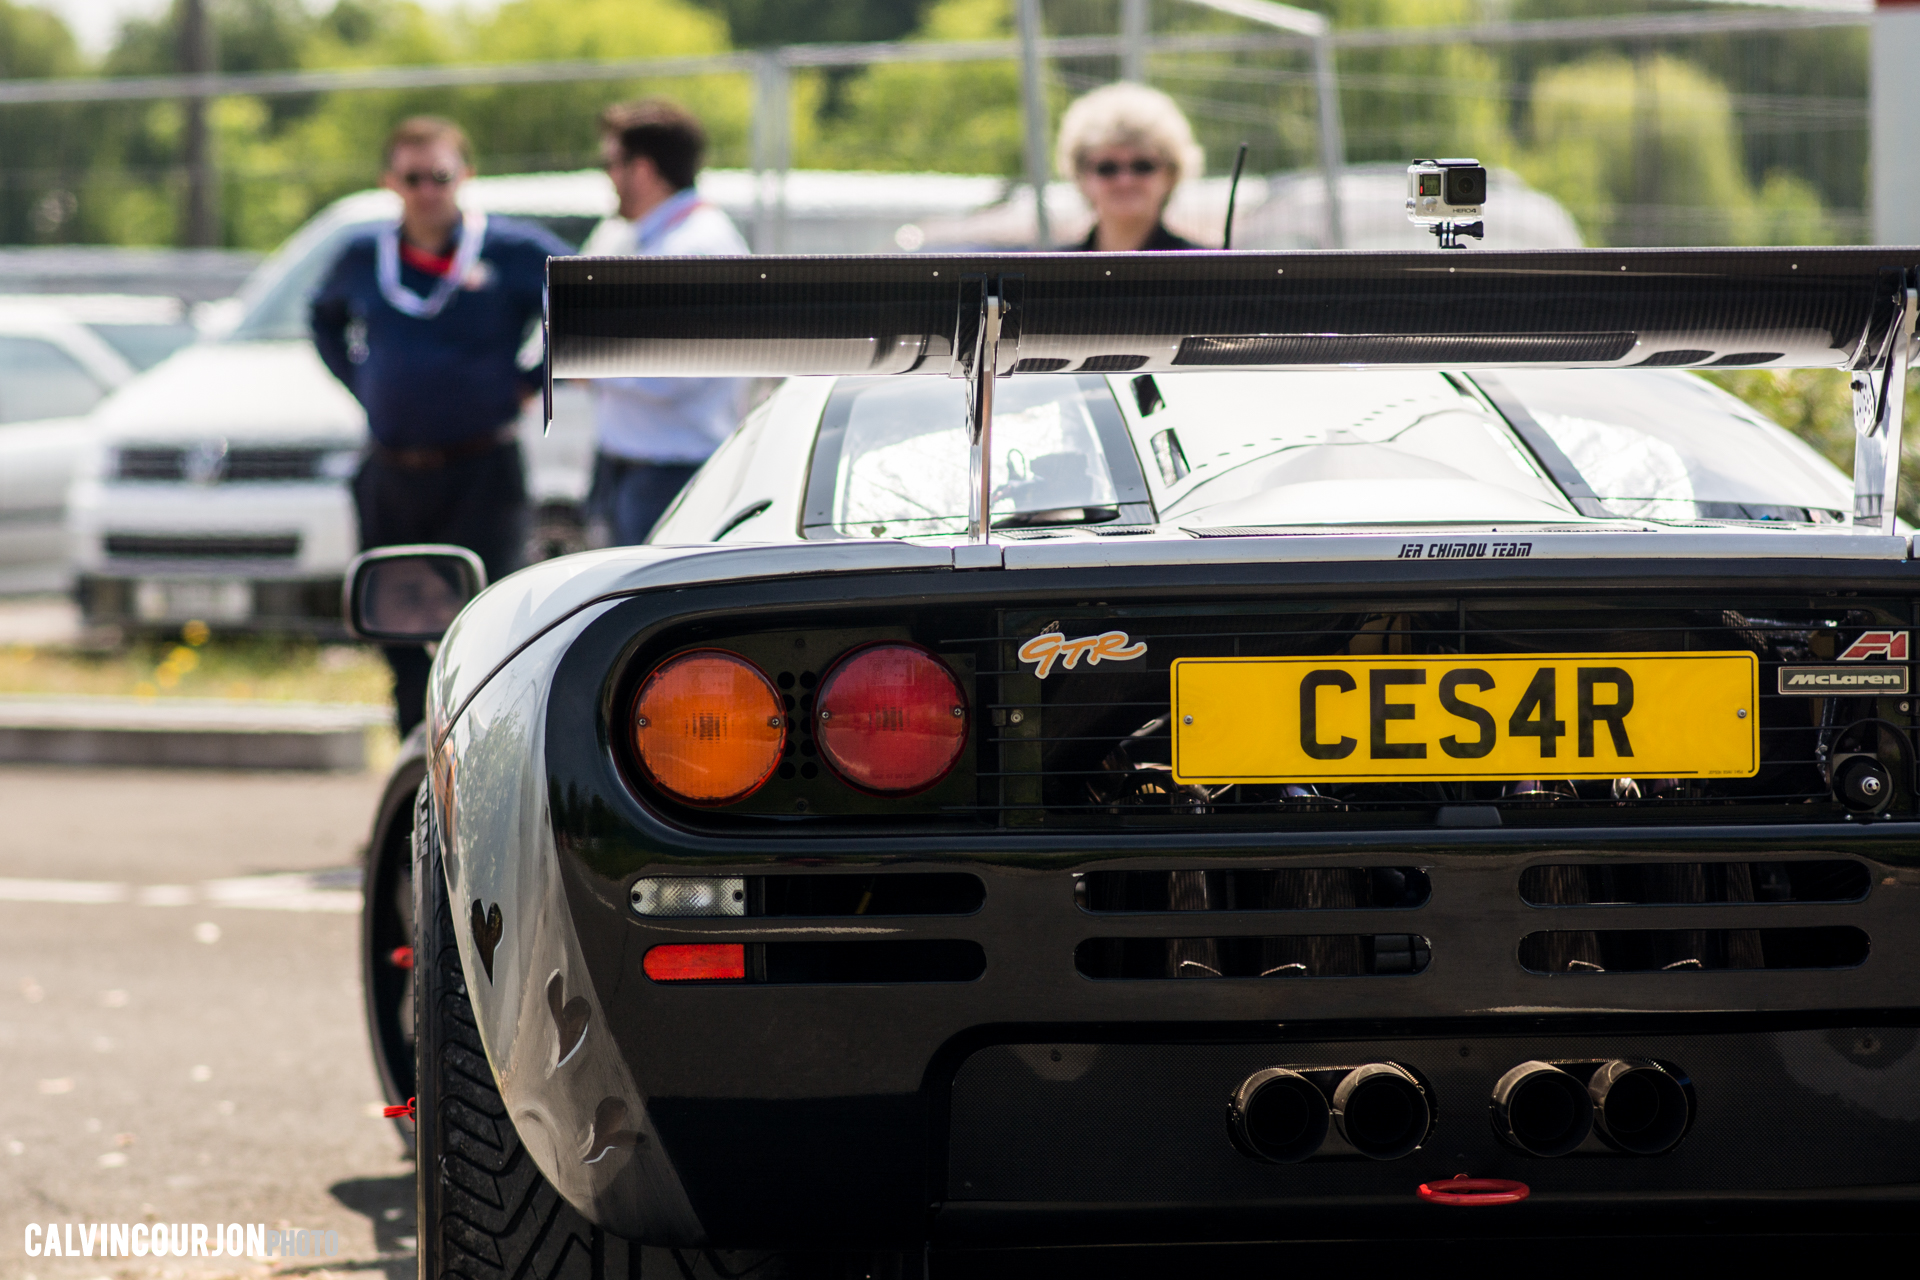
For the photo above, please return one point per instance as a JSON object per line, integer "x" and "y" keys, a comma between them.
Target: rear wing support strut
{"x": 1879, "y": 396}
{"x": 986, "y": 366}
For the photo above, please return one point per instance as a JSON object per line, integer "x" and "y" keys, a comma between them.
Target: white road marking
{"x": 334, "y": 891}
{"x": 293, "y": 892}
{"x": 89, "y": 891}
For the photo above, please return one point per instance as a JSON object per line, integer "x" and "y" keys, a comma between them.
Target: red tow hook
{"x": 394, "y": 1113}
{"x": 401, "y": 957}
{"x": 1461, "y": 1189}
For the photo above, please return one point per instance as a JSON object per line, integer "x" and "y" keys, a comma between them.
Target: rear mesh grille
{"x": 1279, "y": 889}
{"x": 1297, "y": 956}
{"x": 1684, "y": 883}
{"x": 1090, "y": 746}
{"x": 1692, "y": 950}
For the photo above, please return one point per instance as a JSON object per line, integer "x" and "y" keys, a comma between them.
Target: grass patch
{"x": 276, "y": 669}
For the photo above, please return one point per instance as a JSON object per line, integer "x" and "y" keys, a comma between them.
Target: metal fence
{"x": 1282, "y": 90}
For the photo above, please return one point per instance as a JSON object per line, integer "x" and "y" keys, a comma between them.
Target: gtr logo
{"x": 1047, "y": 647}
{"x": 1891, "y": 645}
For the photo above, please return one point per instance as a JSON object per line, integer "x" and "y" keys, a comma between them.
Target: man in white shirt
{"x": 655, "y": 432}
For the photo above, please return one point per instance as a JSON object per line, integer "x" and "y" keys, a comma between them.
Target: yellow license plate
{"x": 1588, "y": 715}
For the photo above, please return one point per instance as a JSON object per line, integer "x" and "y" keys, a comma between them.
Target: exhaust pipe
{"x": 1382, "y": 1110}
{"x": 1277, "y": 1115}
{"x": 1541, "y": 1110}
{"x": 1639, "y": 1107}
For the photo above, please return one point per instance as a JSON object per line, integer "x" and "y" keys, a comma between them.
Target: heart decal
{"x": 487, "y": 929}
{"x": 569, "y": 1017}
{"x": 608, "y": 1131}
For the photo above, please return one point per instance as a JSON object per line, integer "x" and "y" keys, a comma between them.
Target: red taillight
{"x": 890, "y": 718}
{"x": 701, "y": 962}
{"x": 708, "y": 727}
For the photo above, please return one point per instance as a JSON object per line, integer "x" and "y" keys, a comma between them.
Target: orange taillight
{"x": 708, "y": 727}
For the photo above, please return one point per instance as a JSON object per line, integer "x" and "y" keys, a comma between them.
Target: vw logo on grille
{"x": 206, "y": 462}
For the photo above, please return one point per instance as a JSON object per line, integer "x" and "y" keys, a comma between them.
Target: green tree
{"x": 42, "y": 147}
{"x": 759, "y": 23}
{"x": 1647, "y": 151}
{"x": 282, "y": 158}
{"x": 954, "y": 117}
{"x": 1421, "y": 100}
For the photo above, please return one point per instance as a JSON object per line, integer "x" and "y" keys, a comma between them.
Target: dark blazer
{"x": 1159, "y": 242}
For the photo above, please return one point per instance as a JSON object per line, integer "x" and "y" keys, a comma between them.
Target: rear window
{"x": 1231, "y": 450}
{"x": 892, "y": 456}
{"x": 144, "y": 345}
{"x": 1665, "y": 445}
{"x": 39, "y": 380}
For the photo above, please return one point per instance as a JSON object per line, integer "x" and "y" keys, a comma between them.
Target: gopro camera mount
{"x": 1443, "y": 194}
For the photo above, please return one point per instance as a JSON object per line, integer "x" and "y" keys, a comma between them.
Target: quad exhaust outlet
{"x": 1541, "y": 1109}
{"x": 1284, "y": 1114}
{"x": 1637, "y": 1106}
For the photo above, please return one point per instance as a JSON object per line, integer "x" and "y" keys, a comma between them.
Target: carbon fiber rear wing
{"x": 987, "y": 315}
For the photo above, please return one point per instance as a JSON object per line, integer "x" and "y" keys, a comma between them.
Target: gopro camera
{"x": 1443, "y": 195}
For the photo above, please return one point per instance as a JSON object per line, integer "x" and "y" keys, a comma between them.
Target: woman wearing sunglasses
{"x": 1128, "y": 146}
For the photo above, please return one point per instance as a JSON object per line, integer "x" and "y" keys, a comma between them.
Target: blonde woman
{"x": 1127, "y": 147}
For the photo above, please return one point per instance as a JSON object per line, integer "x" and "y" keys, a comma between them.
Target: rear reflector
{"x": 704, "y": 962}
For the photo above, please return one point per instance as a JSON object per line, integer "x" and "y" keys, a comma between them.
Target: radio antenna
{"x": 1233, "y": 191}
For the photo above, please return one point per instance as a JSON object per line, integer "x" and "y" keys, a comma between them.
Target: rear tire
{"x": 485, "y": 1211}
{"x": 386, "y": 939}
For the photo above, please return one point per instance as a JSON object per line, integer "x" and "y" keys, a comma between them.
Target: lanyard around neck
{"x": 473, "y": 229}
{"x": 645, "y": 236}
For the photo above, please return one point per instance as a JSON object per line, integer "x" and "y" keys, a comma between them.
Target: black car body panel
{"x": 891, "y": 1111}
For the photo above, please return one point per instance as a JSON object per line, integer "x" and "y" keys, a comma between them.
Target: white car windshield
{"x": 1226, "y": 450}
{"x": 892, "y": 458}
{"x": 1660, "y": 444}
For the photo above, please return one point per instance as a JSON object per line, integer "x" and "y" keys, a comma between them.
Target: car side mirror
{"x": 410, "y": 595}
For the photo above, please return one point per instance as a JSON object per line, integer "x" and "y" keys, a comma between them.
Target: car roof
{"x": 101, "y": 308}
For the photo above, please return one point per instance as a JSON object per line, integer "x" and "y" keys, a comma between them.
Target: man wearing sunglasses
{"x": 424, "y": 320}
{"x": 655, "y": 432}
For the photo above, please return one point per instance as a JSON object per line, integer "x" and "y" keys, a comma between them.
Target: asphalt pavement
{"x": 181, "y": 1043}
{"x": 181, "y": 1039}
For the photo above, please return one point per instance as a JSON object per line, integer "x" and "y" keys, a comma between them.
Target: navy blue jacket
{"x": 435, "y": 383}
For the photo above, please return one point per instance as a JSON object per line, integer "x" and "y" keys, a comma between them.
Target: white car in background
{"x": 217, "y": 490}
{"x": 59, "y": 357}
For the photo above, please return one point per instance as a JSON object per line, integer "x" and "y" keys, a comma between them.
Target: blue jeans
{"x": 632, "y": 496}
